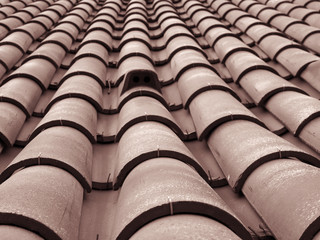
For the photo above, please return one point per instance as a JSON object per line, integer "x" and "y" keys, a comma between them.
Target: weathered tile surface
{"x": 159, "y": 119}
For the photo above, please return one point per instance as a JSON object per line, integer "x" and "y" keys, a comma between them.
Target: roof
{"x": 159, "y": 119}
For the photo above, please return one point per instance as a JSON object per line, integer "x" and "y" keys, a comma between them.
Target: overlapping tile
{"x": 173, "y": 180}
{"x": 127, "y": 88}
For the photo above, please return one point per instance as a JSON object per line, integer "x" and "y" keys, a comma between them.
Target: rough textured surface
{"x": 258, "y": 145}
{"x": 62, "y": 147}
{"x": 144, "y": 141}
{"x": 8, "y": 232}
{"x": 43, "y": 199}
{"x": 184, "y": 226}
{"x": 99, "y": 89}
{"x": 164, "y": 186}
{"x": 293, "y": 198}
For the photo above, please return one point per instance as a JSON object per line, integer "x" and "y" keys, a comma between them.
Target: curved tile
{"x": 49, "y": 51}
{"x": 60, "y": 38}
{"x": 216, "y": 33}
{"x": 134, "y": 48}
{"x": 241, "y": 63}
{"x": 292, "y": 209}
{"x": 42, "y": 76}
{"x": 88, "y": 66}
{"x": 310, "y": 74}
{"x": 92, "y": 50}
{"x": 226, "y": 46}
{"x": 309, "y": 134}
{"x": 10, "y": 55}
{"x": 80, "y": 86}
{"x": 11, "y": 232}
{"x": 42, "y": 199}
{"x": 163, "y": 187}
{"x": 261, "y": 85}
{"x": 67, "y": 28}
{"x": 296, "y": 60}
{"x": 177, "y": 43}
{"x": 22, "y": 92}
{"x": 141, "y": 91}
{"x": 19, "y": 39}
{"x": 11, "y": 121}
{"x": 197, "y": 80}
{"x": 62, "y": 147}
{"x": 268, "y": 15}
{"x": 184, "y": 226}
{"x": 224, "y": 108}
{"x": 74, "y": 112}
{"x": 273, "y": 45}
{"x": 34, "y": 29}
{"x": 258, "y": 146}
{"x": 260, "y": 31}
{"x": 98, "y": 36}
{"x": 134, "y": 35}
{"x": 294, "y": 110}
{"x": 149, "y": 140}
{"x": 188, "y": 59}
{"x": 144, "y": 108}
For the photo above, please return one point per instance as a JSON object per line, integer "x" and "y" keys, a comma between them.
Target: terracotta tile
{"x": 313, "y": 5}
{"x": 25, "y": 207}
{"x": 62, "y": 147}
{"x": 22, "y": 92}
{"x": 70, "y": 112}
{"x": 197, "y": 80}
{"x": 173, "y": 195}
{"x": 292, "y": 195}
{"x": 310, "y": 74}
{"x": 299, "y": 143}
{"x": 261, "y": 85}
{"x": 31, "y": 70}
{"x": 226, "y": 46}
{"x": 145, "y": 109}
{"x": 238, "y": 69}
{"x": 309, "y": 133}
{"x": 301, "y": 109}
{"x": 151, "y": 140}
{"x": 12, "y": 119}
{"x": 183, "y": 226}
{"x": 238, "y": 161}
{"x": 209, "y": 117}
{"x": 11, "y": 232}
{"x": 88, "y": 66}
{"x": 12, "y": 55}
{"x": 305, "y": 86}
{"x": 46, "y": 51}
{"x": 82, "y": 86}
{"x": 60, "y": 38}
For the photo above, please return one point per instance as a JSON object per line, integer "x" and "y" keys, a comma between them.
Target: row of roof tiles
{"x": 144, "y": 120}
